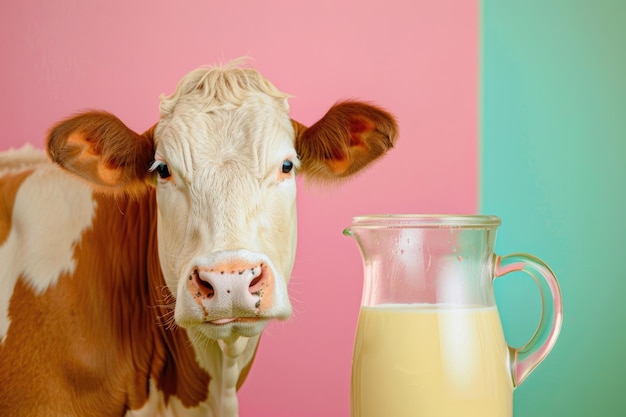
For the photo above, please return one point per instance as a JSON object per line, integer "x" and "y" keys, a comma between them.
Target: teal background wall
{"x": 553, "y": 137}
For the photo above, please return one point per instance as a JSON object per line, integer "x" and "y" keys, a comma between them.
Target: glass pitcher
{"x": 429, "y": 341}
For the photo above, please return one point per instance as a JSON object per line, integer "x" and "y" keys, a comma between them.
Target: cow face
{"x": 223, "y": 159}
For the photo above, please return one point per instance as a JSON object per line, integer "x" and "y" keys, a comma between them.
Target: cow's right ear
{"x": 98, "y": 147}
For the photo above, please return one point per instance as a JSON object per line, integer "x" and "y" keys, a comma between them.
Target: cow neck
{"x": 161, "y": 351}
{"x": 175, "y": 369}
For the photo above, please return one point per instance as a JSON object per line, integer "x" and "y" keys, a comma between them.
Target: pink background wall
{"x": 419, "y": 59}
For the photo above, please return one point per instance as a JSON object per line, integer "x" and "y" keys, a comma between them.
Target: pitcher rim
{"x": 425, "y": 220}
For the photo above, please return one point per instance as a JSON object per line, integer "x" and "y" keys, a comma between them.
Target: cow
{"x": 137, "y": 271}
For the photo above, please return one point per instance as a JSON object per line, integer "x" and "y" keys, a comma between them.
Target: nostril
{"x": 257, "y": 282}
{"x": 210, "y": 292}
{"x": 207, "y": 286}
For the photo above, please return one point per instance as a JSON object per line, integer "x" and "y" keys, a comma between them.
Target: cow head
{"x": 223, "y": 158}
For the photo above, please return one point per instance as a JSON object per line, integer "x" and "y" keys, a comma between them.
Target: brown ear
{"x": 98, "y": 147}
{"x": 350, "y": 136}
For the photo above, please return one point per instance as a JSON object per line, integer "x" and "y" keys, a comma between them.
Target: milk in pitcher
{"x": 421, "y": 360}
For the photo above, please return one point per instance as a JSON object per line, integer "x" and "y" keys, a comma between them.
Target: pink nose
{"x": 229, "y": 278}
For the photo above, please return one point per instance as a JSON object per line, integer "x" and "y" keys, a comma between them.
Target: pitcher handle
{"x": 526, "y": 358}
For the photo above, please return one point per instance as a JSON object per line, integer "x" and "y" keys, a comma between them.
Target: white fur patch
{"x": 51, "y": 211}
{"x": 223, "y": 360}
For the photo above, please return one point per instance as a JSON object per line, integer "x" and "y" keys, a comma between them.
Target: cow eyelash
{"x": 161, "y": 168}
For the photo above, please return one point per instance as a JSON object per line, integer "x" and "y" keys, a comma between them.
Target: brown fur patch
{"x": 94, "y": 340}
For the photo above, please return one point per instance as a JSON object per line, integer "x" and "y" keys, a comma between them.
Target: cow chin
{"x": 190, "y": 316}
{"x": 238, "y": 327}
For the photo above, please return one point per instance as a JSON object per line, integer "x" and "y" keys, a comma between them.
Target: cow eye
{"x": 287, "y": 166}
{"x": 161, "y": 168}
{"x": 163, "y": 171}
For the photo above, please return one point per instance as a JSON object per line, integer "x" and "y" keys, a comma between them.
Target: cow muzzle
{"x": 236, "y": 289}
{"x": 237, "y": 284}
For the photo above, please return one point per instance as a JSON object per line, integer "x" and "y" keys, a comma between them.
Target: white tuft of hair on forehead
{"x": 245, "y": 115}
{"x": 221, "y": 86}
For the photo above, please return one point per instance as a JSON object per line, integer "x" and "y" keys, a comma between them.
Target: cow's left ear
{"x": 350, "y": 136}
{"x": 101, "y": 149}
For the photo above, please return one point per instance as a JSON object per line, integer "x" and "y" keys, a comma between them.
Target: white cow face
{"x": 223, "y": 159}
{"x": 226, "y": 203}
